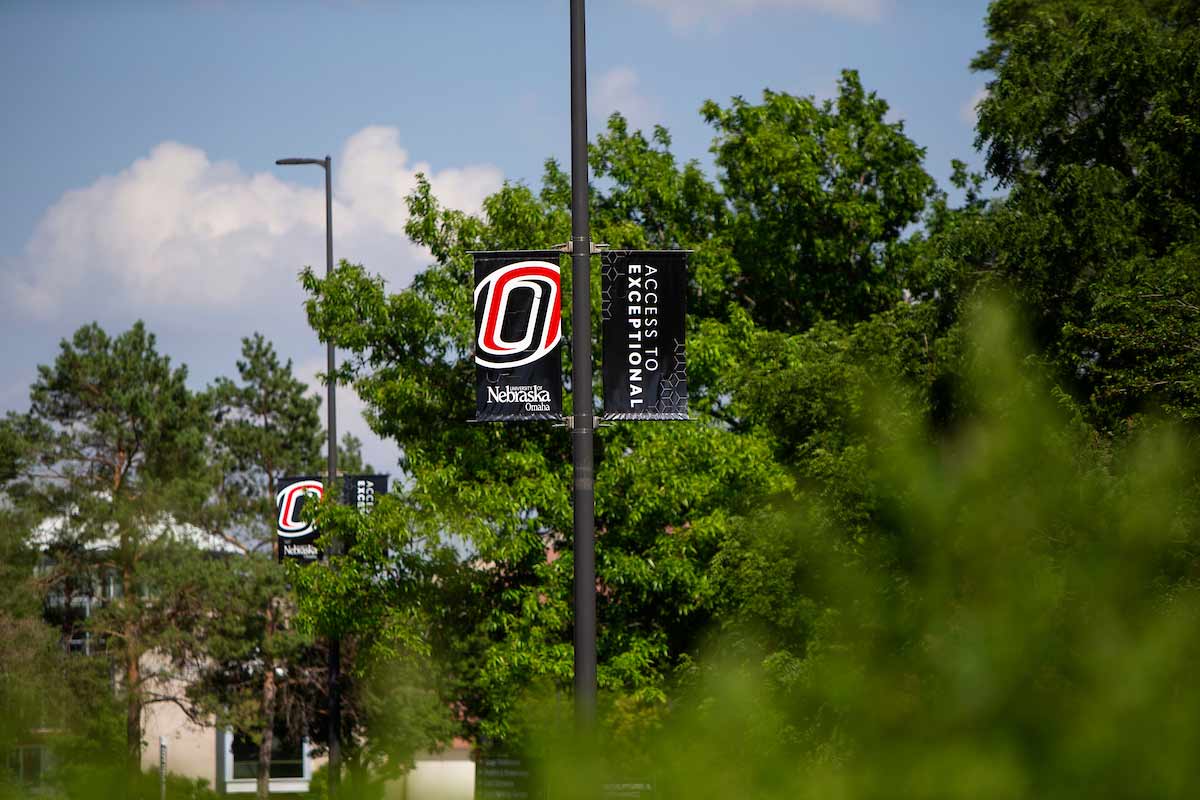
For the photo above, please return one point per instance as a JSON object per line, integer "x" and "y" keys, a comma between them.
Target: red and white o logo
{"x": 533, "y": 322}
{"x": 290, "y": 524}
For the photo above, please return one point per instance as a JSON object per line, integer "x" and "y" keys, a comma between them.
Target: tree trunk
{"x": 133, "y": 686}
{"x": 268, "y": 712}
{"x": 356, "y": 773}
{"x": 133, "y": 714}
{"x": 68, "y": 625}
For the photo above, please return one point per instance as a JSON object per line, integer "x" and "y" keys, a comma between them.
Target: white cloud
{"x": 175, "y": 230}
{"x": 619, "y": 89}
{"x": 689, "y": 14}
{"x": 969, "y": 111}
{"x": 206, "y": 253}
{"x": 375, "y": 176}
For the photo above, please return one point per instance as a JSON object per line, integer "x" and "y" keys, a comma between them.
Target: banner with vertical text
{"x": 643, "y": 316}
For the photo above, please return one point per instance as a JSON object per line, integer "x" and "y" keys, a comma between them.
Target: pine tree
{"x": 111, "y": 456}
{"x": 268, "y": 427}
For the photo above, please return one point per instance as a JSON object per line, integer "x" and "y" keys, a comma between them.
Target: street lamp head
{"x": 288, "y": 162}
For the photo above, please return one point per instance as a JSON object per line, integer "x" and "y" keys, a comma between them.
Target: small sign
{"x": 162, "y": 768}
{"x": 628, "y": 790}
{"x": 296, "y": 537}
{"x": 360, "y": 491}
{"x": 507, "y": 778}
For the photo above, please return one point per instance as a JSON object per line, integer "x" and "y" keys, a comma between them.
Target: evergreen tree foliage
{"x": 109, "y": 465}
{"x": 252, "y": 668}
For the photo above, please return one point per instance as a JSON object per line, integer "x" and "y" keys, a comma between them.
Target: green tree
{"x": 1090, "y": 122}
{"x": 268, "y": 427}
{"x": 820, "y": 197}
{"x": 668, "y": 496}
{"x": 505, "y": 490}
{"x": 252, "y": 667}
{"x": 1019, "y": 620}
{"x": 374, "y": 599}
{"x": 111, "y": 455}
{"x": 830, "y": 272}
{"x": 350, "y": 456}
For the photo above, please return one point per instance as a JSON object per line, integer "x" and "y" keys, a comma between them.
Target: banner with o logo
{"x": 518, "y": 336}
{"x": 295, "y": 535}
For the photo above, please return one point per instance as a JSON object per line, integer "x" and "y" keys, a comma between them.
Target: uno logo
{"x": 288, "y": 500}
{"x": 526, "y": 284}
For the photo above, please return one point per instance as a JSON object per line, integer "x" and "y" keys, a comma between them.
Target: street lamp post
{"x": 335, "y": 644}
{"x": 581, "y": 382}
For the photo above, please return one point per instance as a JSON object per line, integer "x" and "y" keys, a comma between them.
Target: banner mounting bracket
{"x": 568, "y": 422}
{"x": 565, "y": 247}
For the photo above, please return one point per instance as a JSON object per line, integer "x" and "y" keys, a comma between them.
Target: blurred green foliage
{"x": 1021, "y": 622}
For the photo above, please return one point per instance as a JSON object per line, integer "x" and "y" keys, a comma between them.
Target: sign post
{"x": 583, "y": 420}
{"x": 162, "y": 768}
{"x": 518, "y": 368}
{"x": 335, "y": 646}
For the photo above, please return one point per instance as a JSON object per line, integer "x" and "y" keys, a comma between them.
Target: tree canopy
{"x": 833, "y": 285}
{"x": 932, "y": 530}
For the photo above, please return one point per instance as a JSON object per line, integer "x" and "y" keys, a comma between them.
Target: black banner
{"x": 361, "y": 490}
{"x": 296, "y": 538}
{"x": 518, "y": 331}
{"x": 644, "y": 310}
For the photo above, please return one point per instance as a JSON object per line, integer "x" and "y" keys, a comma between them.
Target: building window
{"x": 290, "y": 765}
{"x": 27, "y": 763}
{"x": 80, "y": 643}
{"x": 110, "y": 585}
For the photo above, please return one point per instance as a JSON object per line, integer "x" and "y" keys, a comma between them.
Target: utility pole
{"x": 583, "y": 420}
{"x": 334, "y": 707}
{"x": 335, "y": 643}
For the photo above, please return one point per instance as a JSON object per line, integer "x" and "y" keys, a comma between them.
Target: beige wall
{"x": 449, "y": 775}
{"x": 191, "y": 749}
{"x": 192, "y": 753}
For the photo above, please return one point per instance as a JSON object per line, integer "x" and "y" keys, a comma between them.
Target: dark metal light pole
{"x": 581, "y": 382}
{"x": 335, "y": 644}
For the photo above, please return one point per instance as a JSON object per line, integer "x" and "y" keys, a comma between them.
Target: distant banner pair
{"x": 296, "y": 537}
{"x": 518, "y": 332}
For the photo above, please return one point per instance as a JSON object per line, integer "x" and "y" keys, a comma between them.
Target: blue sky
{"x": 140, "y": 137}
